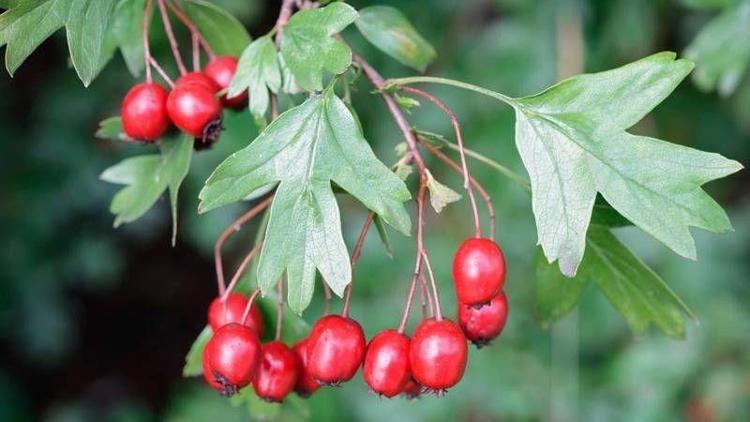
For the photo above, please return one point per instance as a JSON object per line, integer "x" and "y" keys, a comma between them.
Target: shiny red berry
{"x": 221, "y": 70}
{"x": 198, "y": 78}
{"x": 438, "y": 354}
{"x": 223, "y": 313}
{"x": 335, "y": 349}
{"x": 478, "y": 271}
{"x": 277, "y": 372}
{"x": 306, "y": 384}
{"x": 144, "y": 112}
{"x": 194, "y": 109}
{"x": 231, "y": 358}
{"x": 386, "y": 367}
{"x": 482, "y": 325}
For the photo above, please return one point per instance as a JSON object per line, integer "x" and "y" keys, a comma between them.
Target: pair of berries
{"x": 148, "y": 109}
{"x": 479, "y": 277}
{"x": 434, "y": 359}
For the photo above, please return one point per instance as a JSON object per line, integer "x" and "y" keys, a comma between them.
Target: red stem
{"x": 161, "y": 72}
{"x": 355, "y": 257}
{"x": 284, "y": 14}
{"x": 194, "y": 32}
{"x": 170, "y": 35}
{"x": 474, "y": 182}
{"x": 240, "y": 270}
{"x": 409, "y": 299}
{"x": 459, "y": 138}
{"x": 146, "y": 46}
{"x": 196, "y": 52}
{"x": 234, "y": 227}
{"x": 438, "y": 312}
{"x": 249, "y": 306}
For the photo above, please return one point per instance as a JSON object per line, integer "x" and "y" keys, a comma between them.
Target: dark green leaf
{"x": 223, "y": 32}
{"x": 383, "y": 235}
{"x": 388, "y": 29}
{"x": 573, "y": 142}
{"x": 176, "y": 156}
{"x": 257, "y": 71}
{"x": 556, "y": 295}
{"x": 194, "y": 359}
{"x": 308, "y": 47}
{"x": 721, "y": 50}
{"x": 112, "y": 130}
{"x": 86, "y": 29}
{"x": 605, "y": 215}
{"x": 305, "y": 149}
{"x": 127, "y": 25}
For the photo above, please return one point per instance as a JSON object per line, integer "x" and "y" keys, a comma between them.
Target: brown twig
{"x": 170, "y": 35}
{"x": 355, "y": 257}
{"x": 234, "y": 227}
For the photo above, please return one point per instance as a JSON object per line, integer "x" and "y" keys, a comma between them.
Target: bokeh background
{"x": 95, "y": 322}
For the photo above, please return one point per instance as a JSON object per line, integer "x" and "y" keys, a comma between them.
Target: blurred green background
{"x": 95, "y": 322}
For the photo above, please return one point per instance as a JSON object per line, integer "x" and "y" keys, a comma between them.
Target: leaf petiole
{"x": 397, "y": 82}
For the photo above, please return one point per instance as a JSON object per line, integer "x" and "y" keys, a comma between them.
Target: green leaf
{"x": 127, "y": 25}
{"x": 305, "y": 149}
{"x": 111, "y": 129}
{"x": 635, "y": 290}
{"x": 223, "y": 32}
{"x": 573, "y": 142}
{"x": 86, "y": 28}
{"x": 146, "y": 177}
{"x": 721, "y": 50}
{"x": 257, "y": 71}
{"x": 383, "y": 235}
{"x": 389, "y": 30}
{"x": 440, "y": 195}
{"x": 308, "y": 47}
{"x": 194, "y": 359}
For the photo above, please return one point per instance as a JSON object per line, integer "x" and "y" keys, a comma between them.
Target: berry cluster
{"x": 433, "y": 360}
{"x": 193, "y": 105}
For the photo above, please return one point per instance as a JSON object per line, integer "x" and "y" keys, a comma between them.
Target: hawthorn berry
{"x": 478, "y": 271}
{"x": 335, "y": 349}
{"x": 195, "y": 110}
{"x": 144, "y": 112}
{"x": 482, "y": 325}
{"x": 438, "y": 354}
{"x": 221, "y": 70}
{"x": 231, "y": 358}
{"x": 386, "y": 367}
{"x": 412, "y": 389}
{"x": 198, "y": 78}
{"x": 229, "y": 311}
{"x": 277, "y": 372}
{"x": 306, "y": 384}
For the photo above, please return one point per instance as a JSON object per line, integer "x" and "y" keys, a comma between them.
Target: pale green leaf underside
{"x": 721, "y": 50}
{"x": 308, "y": 47}
{"x": 635, "y": 290}
{"x": 387, "y": 29}
{"x": 257, "y": 71}
{"x": 305, "y": 149}
{"x": 573, "y": 143}
{"x": 146, "y": 177}
{"x": 223, "y": 32}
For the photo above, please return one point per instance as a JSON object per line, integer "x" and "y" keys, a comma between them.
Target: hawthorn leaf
{"x": 127, "y": 25}
{"x": 305, "y": 149}
{"x": 634, "y": 289}
{"x": 573, "y": 143}
{"x": 146, "y": 177}
{"x": 111, "y": 129}
{"x": 194, "y": 358}
{"x": 440, "y": 195}
{"x": 385, "y": 239}
{"x": 257, "y": 72}
{"x": 223, "y": 32}
{"x": 86, "y": 29}
{"x": 24, "y": 27}
{"x": 389, "y": 30}
{"x": 308, "y": 46}
{"x": 721, "y": 50}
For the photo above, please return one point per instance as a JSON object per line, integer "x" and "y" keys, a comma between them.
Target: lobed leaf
{"x": 308, "y": 48}
{"x": 305, "y": 149}
{"x": 389, "y": 30}
{"x": 257, "y": 71}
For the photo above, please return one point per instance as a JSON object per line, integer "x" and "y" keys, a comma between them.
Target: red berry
{"x": 230, "y": 358}
{"x": 412, "y": 389}
{"x": 306, "y": 384}
{"x": 438, "y": 354}
{"x": 198, "y": 78}
{"x": 221, "y": 70}
{"x": 223, "y": 313}
{"x": 144, "y": 112}
{"x": 482, "y": 325}
{"x": 386, "y": 368}
{"x": 277, "y": 372}
{"x": 335, "y": 349}
{"x": 194, "y": 109}
{"x": 478, "y": 271}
